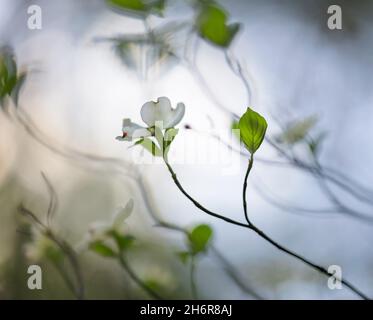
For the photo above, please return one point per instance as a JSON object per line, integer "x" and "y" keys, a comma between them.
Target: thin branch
{"x": 264, "y": 236}
{"x": 136, "y": 279}
{"x": 230, "y": 269}
{"x": 249, "y": 167}
{"x": 53, "y": 202}
{"x": 193, "y": 281}
{"x": 224, "y": 262}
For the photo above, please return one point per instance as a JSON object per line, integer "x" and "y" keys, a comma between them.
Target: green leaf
{"x": 102, "y": 249}
{"x": 183, "y": 256}
{"x": 212, "y": 25}
{"x": 136, "y": 5}
{"x": 153, "y": 284}
{"x": 199, "y": 238}
{"x": 297, "y": 131}
{"x": 54, "y": 254}
{"x": 169, "y": 136}
{"x": 18, "y": 86}
{"x": 315, "y": 144}
{"x": 124, "y": 242}
{"x": 150, "y": 146}
{"x": 252, "y": 129}
{"x": 138, "y": 142}
{"x": 157, "y": 7}
{"x": 10, "y": 81}
{"x": 140, "y": 7}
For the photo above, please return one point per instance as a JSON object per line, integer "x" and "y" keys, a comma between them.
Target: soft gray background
{"x": 80, "y": 91}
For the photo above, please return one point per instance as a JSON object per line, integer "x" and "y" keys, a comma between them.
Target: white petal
{"x": 177, "y": 115}
{"x": 122, "y": 214}
{"x": 132, "y": 130}
{"x": 152, "y": 112}
{"x": 148, "y": 113}
{"x": 126, "y": 122}
{"x": 140, "y": 133}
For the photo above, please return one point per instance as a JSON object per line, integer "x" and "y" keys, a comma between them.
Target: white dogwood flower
{"x": 132, "y": 131}
{"x": 161, "y": 111}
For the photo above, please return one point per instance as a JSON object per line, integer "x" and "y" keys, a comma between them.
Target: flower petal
{"x": 177, "y": 115}
{"x": 132, "y": 131}
{"x": 152, "y": 112}
{"x": 161, "y": 111}
{"x": 122, "y": 214}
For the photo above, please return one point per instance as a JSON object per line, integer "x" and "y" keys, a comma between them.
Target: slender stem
{"x": 267, "y": 238}
{"x": 224, "y": 262}
{"x": 306, "y": 261}
{"x": 237, "y": 69}
{"x": 65, "y": 248}
{"x": 197, "y": 204}
{"x": 71, "y": 255}
{"x": 229, "y": 268}
{"x": 193, "y": 282}
{"x": 64, "y": 276}
{"x": 264, "y": 236}
{"x": 249, "y": 167}
{"x": 136, "y": 279}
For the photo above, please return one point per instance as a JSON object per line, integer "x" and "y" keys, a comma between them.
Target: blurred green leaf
{"x": 252, "y": 130}
{"x": 315, "y": 144}
{"x": 140, "y": 7}
{"x": 297, "y": 131}
{"x": 153, "y": 284}
{"x": 157, "y": 7}
{"x": 54, "y": 254}
{"x": 136, "y": 5}
{"x": 18, "y": 86}
{"x": 102, "y": 249}
{"x": 10, "y": 81}
{"x": 124, "y": 242}
{"x": 183, "y": 256}
{"x": 199, "y": 238}
{"x": 212, "y": 25}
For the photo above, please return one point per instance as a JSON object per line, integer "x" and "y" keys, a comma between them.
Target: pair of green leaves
{"x": 252, "y": 127}
{"x": 212, "y": 24}
{"x": 139, "y": 7}
{"x": 198, "y": 240}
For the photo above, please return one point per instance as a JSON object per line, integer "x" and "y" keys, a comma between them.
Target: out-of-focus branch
{"x": 77, "y": 287}
{"x": 223, "y": 261}
{"x": 136, "y": 279}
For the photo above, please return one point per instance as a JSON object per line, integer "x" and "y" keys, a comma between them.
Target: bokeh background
{"x": 79, "y": 89}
